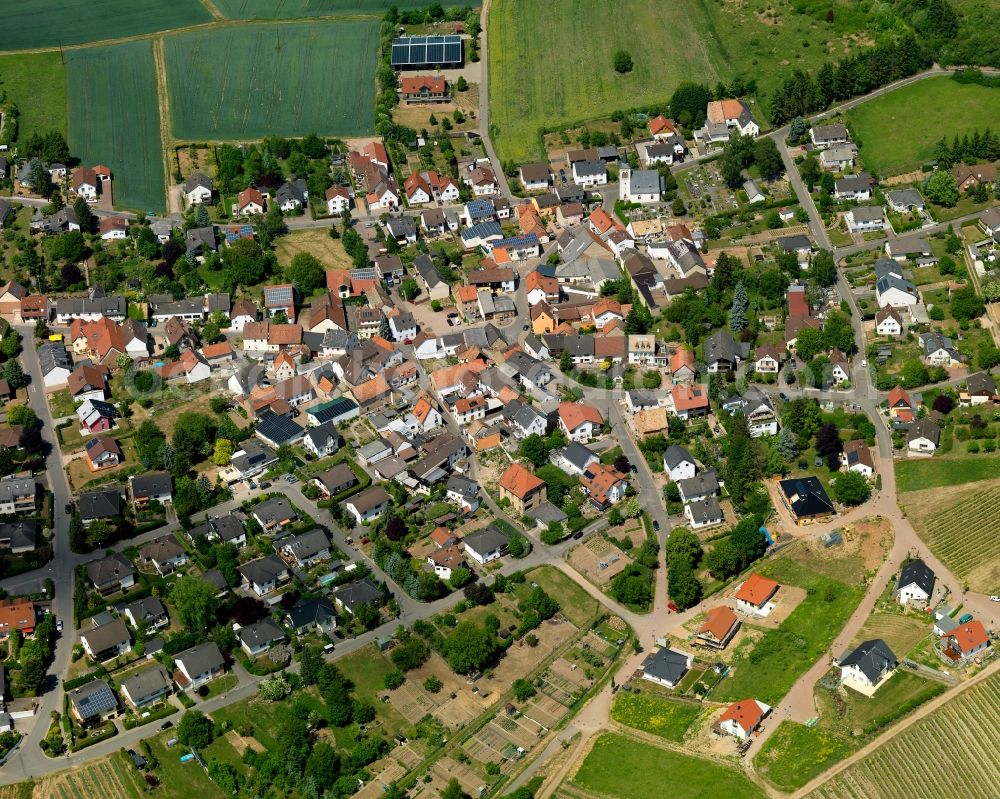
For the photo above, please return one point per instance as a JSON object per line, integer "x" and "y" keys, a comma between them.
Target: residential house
{"x": 866, "y": 218}
{"x": 867, "y": 664}
{"x": 857, "y": 457}
{"x": 106, "y": 641}
{"x": 743, "y": 719}
{"x": 146, "y": 686}
{"x": 273, "y": 514}
{"x": 701, "y": 486}
{"x": 263, "y": 575}
{"x": 463, "y": 492}
{"x": 535, "y": 177}
{"x": 689, "y": 400}
{"x": 678, "y": 463}
{"x": 888, "y": 322}
{"x": 719, "y": 627}
{"x": 249, "y": 201}
{"x": 93, "y": 703}
{"x": 980, "y": 388}
{"x": 446, "y": 560}
{"x": 280, "y": 299}
{"x": 911, "y": 248}
{"x": 753, "y": 596}
{"x": 17, "y": 495}
{"x": 348, "y": 598}
{"x": 255, "y": 639}
{"x": 304, "y": 550}
{"x": 323, "y": 440}
{"x": 524, "y": 420}
{"x": 338, "y": 200}
{"x": 96, "y": 416}
{"x": 579, "y": 421}
{"x": 824, "y": 136}
{"x": 164, "y": 553}
{"x": 971, "y": 176}
{"x": 574, "y": 458}
{"x": 915, "y": 584}
{"x": 734, "y": 114}
{"x": 148, "y": 488}
{"x": 806, "y": 498}
{"x": 368, "y": 505}
{"x": 967, "y": 640}
{"x": 590, "y": 173}
{"x": 521, "y": 488}
{"x": 603, "y": 484}
{"x": 905, "y": 200}
{"x": 486, "y": 545}
{"x": 336, "y": 480}
{"x": 148, "y": 611}
{"x": 853, "y": 187}
{"x": 308, "y": 615}
{"x": 16, "y": 614}
{"x": 938, "y": 350}
{"x": 923, "y": 437}
{"x": 838, "y": 158}
{"x": 722, "y": 353}
{"x": 704, "y": 513}
{"x": 198, "y": 189}
{"x": 666, "y": 666}
{"x": 199, "y": 664}
{"x": 767, "y": 359}
{"x": 100, "y": 505}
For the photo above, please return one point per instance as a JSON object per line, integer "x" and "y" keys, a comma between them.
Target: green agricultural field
{"x": 919, "y": 474}
{"x": 796, "y": 754}
{"x": 290, "y": 9}
{"x": 247, "y": 82}
{"x": 621, "y": 767}
{"x": 56, "y": 23}
{"x": 570, "y": 43}
{"x": 650, "y": 713}
{"x": 891, "y": 130}
{"x": 36, "y": 82}
{"x": 948, "y": 753}
{"x": 769, "y": 669}
{"x": 114, "y": 119}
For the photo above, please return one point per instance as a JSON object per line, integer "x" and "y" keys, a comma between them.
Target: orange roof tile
{"x": 682, "y": 357}
{"x": 519, "y": 481}
{"x": 757, "y": 589}
{"x": 968, "y": 636}
{"x": 17, "y": 614}
{"x": 574, "y": 414}
{"x": 748, "y": 714}
{"x": 898, "y": 398}
{"x": 718, "y": 622}
{"x": 689, "y": 398}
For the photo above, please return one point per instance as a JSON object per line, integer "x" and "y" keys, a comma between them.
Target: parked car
{"x": 995, "y": 598}
{"x": 166, "y": 725}
{"x": 783, "y": 396}
{"x": 964, "y": 618}
{"x": 58, "y": 625}
{"x": 656, "y": 525}
{"x": 578, "y": 535}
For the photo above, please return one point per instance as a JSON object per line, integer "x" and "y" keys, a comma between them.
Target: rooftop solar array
{"x": 421, "y": 51}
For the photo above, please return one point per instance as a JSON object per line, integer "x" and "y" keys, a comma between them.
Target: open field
{"x": 36, "y": 82}
{"x": 574, "y": 603}
{"x": 899, "y": 631}
{"x": 918, "y": 474}
{"x": 959, "y": 525}
{"x": 795, "y": 754}
{"x": 570, "y": 44}
{"x": 289, "y": 9}
{"x": 851, "y": 713}
{"x": 114, "y": 119}
{"x": 112, "y": 776}
{"x": 951, "y": 752}
{"x": 769, "y": 667}
{"x": 650, "y": 713}
{"x": 891, "y": 129}
{"x": 55, "y": 23}
{"x": 621, "y": 767}
{"x": 330, "y": 252}
{"x": 290, "y": 79}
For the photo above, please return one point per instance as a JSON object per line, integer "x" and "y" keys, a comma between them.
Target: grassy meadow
{"x": 57, "y": 23}
{"x": 570, "y": 44}
{"x": 290, "y": 9}
{"x": 920, "y": 474}
{"x": 115, "y": 120}
{"x": 248, "y": 82}
{"x": 626, "y": 769}
{"x": 892, "y": 129}
{"x": 36, "y": 82}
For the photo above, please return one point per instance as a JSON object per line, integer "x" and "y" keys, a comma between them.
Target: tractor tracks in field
{"x": 163, "y": 108}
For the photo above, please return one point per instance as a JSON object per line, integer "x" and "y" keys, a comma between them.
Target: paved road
{"x": 37, "y": 202}
{"x": 484, "y": 106}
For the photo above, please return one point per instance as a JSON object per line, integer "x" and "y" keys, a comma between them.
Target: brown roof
{"x": 519, "y": 481}
{"x": 899, "y": 397}
{"x": 249, "y": 195}
{"x": 284, "y": 334}
{"x": 86, "y": 378}
{"x": 243, "y": 308}
{"x": 434, "y": 84}
{"x": 718, "y": 622}
{"x": 104, "y": 444}
{"x": 451, "y": 557}
{"x": 599, "y": 480}
{"x": 689, "y": 398}
{"x": 217, "y": 350}
{"x": 864, "y": 454}
{"x": 17, "y": 614}
{"x": 757, "y": 589}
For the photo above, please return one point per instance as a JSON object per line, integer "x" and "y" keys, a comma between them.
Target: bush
{"x": 393, "y": 679}
{"x": 433, "y": 684}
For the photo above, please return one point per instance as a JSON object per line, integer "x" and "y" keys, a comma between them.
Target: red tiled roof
{"x": 757, "y": 589}
{"x": 519, "y": 481}
{"x": 718, "y": 622}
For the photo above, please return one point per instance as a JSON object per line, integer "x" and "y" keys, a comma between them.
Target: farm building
{"x": 420, "y": 52}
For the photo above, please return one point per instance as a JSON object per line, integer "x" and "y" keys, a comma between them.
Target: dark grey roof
{"x": 263, "y": 570}
{"x": 917, "y": 572}
{"x": 261, "y": 633}
{"x": 109, "y": 569}
{"x": 201, "y": 238}
{"x": 93, "y": 699}
{"x": 146, "y": 682}
{"x": 216, "y": 579}
{"x": 147, "y": 608}
{"x": 197, "y": 181}
{"x": 589, "y": 168}
{"x": 873, "y": 658}
{"x": 578, "y": 454}
{"x": 981, "y": 383}
{"x": 666, "y": 664}
{"x": 279, "y": 429}
{"x": 675, "y": 455}
{"x": 106, "y": 636}
{"x": 462, "y": 485}
{"x": 806, "y": 496}
{"x": 487, "y": 539}
{"x": 359, "y": 592}
{"x": 153, "y": 484}
{"x": 402, "y": 226}
{"x": 924, "y": 428}
{"x": 52, "y": 355}
{"x": 546, "y": 513}
{"x": 884, "y": 284}
{"x": 275, "y": 509}
{"x": 520, "y": 414}
{"x": 305, "y": 545}
{"x": 294, "y": 190}
{"x": 853, "y": 183}
{"x": 907, "y": 197}
{"x": 705, "y": 510}
{"x": 321, "y": 436}
{"x": 704, "y": 483}
{"x": 339, "y": 475}
{"x": 720, "y": 346}
{"x": 20, "y": 534}
{"x": 795, "y": 243}
{"x": 867, "y": 213}
{"x": 256, "y": 454}
{"x": 424, "y": 265}
{"x": 311, "y": 611}
{"x": 201, "y": 659}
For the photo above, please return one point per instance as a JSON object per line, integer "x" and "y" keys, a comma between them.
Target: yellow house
{"x": 543, "y": 319}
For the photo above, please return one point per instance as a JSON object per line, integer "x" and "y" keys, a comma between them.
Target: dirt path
{"x": 920, "y": 713}
{"x": 213, "y": 9}
{"x": 163, "y": 104}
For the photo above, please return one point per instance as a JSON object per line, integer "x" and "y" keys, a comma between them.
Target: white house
{"x": 915, "y": 584}
{"x": 742, "y": 719}
{"x": 923, "y": 437}
{"x": 338, "y": 200}
{"x": 199, "y": 664}
{"x": 868, "y": 665}
{"x": 888, "y": 322}
{"x": 579, "y": 421}
{"x": 486, "y": 545}
{"x": 703, "y": 513}
{"x": 866, "y": 218}
{"x": 198, "y": 189}
{"x": 368, "y": 505}
{"x": 640, "y": 186}
{"x": 678, "y": 463}
{"x": 666, "y": 666}
{"x": 322, "y": 440}
{"x": 590, "y": 173}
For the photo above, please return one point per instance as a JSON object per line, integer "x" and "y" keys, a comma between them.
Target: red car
{"x": 672, "y": 607}
{"x": 407, "y": 340}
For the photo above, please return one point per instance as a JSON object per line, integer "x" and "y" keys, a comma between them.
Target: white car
{"x": 995, "y": 598}
{"x": 864, "y": 364}
{"x": 58, "y": 625}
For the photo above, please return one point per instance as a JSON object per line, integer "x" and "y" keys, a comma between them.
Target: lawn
{"x": 36, "y": 82}
{"x": 574, "y": 603}
{"x": 768, "y": 670}
{"x": 570, "y": 44}
{"x": 367, "y": 669}
{"x": 650, "y": 713}
{"x": 850, "y": 713}
{"x": 265, "y": 718}
{"x": 289, "y": 79}
{"x": 114, "y": 119}
{"x": 891, "y": 129}
{"x": 918, "y": 474}
{"x": 795, "y": 754}
{"x": 55, "y": 23}
{"x": 621, "y": 767}
{"x": 221, "y": 685}
{"x": 183, "y": 779}
{"x": 330, "y": 252}
{"x": 61, "y": 404}
{"x": 290, "y": 9}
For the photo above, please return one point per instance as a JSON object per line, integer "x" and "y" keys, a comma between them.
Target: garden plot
{"x": 411, "y": 702}
{"x": 390, "y": 771}
{"x": 544, "y": 710}
{"x": 444, "y": 770}
{"x": 522, "y": 659}
{"x": 599, "y": 560}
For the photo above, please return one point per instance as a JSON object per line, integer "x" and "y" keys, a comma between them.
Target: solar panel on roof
{"x": 426, "y": 50}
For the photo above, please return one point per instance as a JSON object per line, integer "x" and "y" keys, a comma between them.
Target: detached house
{"x": 148, "y": 488}
{"x": 888, "y": 322}
{"x": 744, "y": 718}
{"x": 522, "y": 489}
{"x": 924, "y": 437}
{"x": 857, "y": 457}
{"x": 719, "y": 627}
{"x": 753, "y": 596}
{"x": 199, "y": 664}
{"x": 579, "y": 421}
{"x": 146, "y": 686}
{"x": 535, "y": 177}
{"x": 666, "y": 666}
{"x": 106, "y": 641}
{"x": 867, "y": 665}
{"x": 368, "y": 505}
{"x": 486, "y": 545}
{"x": 824, "y": 136}
{"x": 603, "y": 484}
{"x": 915, "y": 584}
{"x": 866, "y": 218}
{"x": 198, "y": 189}
{"x": 164, "y": 553}
{"x": 263, "y": 575}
